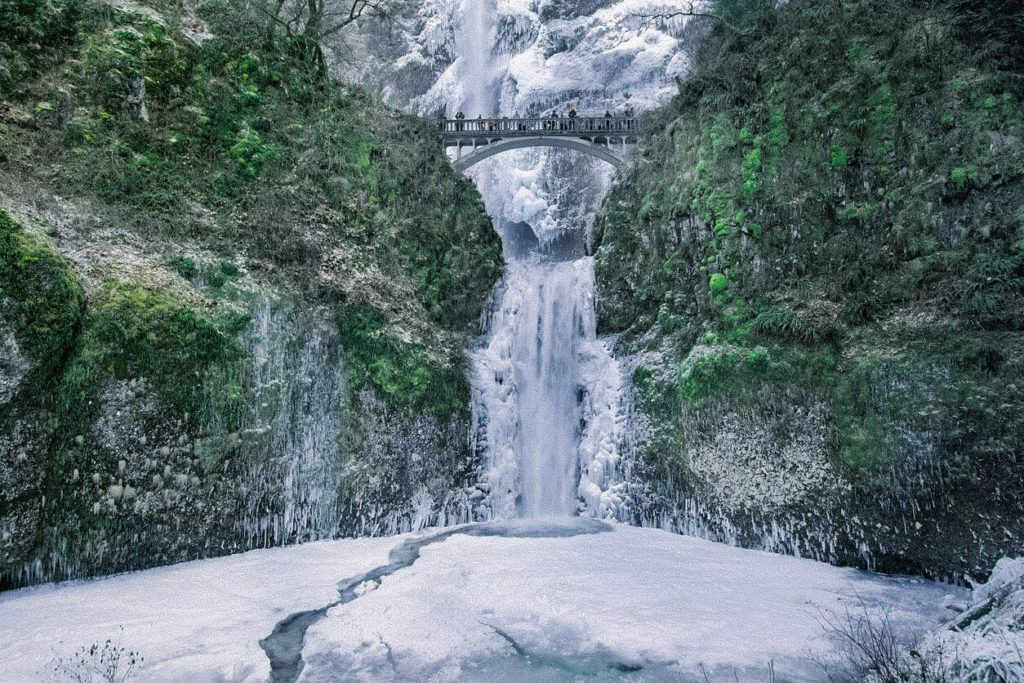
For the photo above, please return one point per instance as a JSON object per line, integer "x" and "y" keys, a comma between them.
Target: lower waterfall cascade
{"x": 547, "y": 396}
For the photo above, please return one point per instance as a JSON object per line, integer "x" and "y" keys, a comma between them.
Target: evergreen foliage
{"x": 851, "y": 175}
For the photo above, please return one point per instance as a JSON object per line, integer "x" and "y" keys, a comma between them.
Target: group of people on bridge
{"x": 553, "y": 122}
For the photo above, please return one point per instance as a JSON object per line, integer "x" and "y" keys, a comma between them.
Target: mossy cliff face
{"x": 245, "y": 324}
{"x": 41, "y": 306}
{"x": 817, "y": 263}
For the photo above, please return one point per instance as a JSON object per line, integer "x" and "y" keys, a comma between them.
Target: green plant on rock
{"x": 39, "y": 295}
{"x": 402, "y": 373}
{"x": 992, "y": 290}
{"x": 136, "y": 332}
{"x": 718, "y": 283}
{"x": 183, "y": 266}
{"x": 751, "y": 172}
{"x": 783, "y": 322}
{"x": 251, "y": 153}
{"x": 838, "y": 157}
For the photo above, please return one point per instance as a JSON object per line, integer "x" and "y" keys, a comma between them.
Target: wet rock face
{"x": 14, "y": 365}
{"x": 157, "y": 502}
{"x": 403, "y": 466}
{"x": 827, "y": 361}
{"x": 303, "y": 458}
{"x": 768, "y": 458}
{"x": 21, "y": 476}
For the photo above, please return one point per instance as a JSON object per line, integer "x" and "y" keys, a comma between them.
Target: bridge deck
{"x": 482, "y": 131}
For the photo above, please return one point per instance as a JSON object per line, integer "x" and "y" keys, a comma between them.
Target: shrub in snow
{"x": 106, "y": 663}
{"x": 986, "y": 643}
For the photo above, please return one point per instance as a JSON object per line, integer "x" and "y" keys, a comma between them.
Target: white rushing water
{"x": 547, "y": 395}
{"x": 473, "y": 44}
{"x": 546, "y": 390}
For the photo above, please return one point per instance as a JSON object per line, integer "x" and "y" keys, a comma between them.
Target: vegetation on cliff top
{"x": 205, "y": 124}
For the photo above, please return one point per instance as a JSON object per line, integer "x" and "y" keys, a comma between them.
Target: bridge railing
{"x": 565, "y": 125}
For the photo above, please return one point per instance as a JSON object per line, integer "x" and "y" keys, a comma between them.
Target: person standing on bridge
{"x": 458, "y": 121}
{"x": 607, "y": 119}
{"x": 572, "y": 118}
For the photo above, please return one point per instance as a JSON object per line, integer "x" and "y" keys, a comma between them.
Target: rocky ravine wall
{"x": 249, "y": 436}
{"x": 816, "y": 267}
{"x": 234, "y": 303}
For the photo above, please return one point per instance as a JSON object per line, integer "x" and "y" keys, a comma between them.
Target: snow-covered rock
{"x": 986, "y": 641}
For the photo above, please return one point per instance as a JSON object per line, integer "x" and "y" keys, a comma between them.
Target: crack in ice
{"x": 284, "y": 645}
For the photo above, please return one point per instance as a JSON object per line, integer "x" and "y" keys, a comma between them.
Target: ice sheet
{"x": 521, "y": 600}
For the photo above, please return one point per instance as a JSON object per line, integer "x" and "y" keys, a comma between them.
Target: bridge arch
{"x": 594, "y": 149}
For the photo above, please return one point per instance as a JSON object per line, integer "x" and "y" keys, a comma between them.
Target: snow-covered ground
{"x": 505, "y": 601}
{"x": 196, "y": 621}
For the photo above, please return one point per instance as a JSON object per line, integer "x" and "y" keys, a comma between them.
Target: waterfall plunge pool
{"x": 523, "y": 600}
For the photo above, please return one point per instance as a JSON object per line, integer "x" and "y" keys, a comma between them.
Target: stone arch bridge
{"x": 609, "y": 139}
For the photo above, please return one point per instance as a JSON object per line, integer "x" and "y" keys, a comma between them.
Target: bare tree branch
{"x": 314, "y": 22}
{"x": 356, "y": 10}
{"x": 693, "y": 11}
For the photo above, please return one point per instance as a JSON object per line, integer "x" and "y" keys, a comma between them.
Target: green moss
{"x": 718, "y": 283}
{"x": 739, "y": 373}
{"x": 39, "y": 295}
{"x": 838, "y": 157}
{"x": 135, "y": 332}
{"x": 402, "y": 373}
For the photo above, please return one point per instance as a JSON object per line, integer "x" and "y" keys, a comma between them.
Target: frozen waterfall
{"x": 546, "y": 389}
{"x": 473, "y": 43}
{"x": 547, "y": 395}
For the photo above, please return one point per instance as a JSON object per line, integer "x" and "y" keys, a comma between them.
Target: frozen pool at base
{"x": 560, "y": 600}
